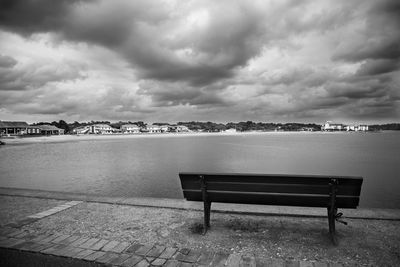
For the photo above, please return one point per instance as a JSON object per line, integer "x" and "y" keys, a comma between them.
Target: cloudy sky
{"x": 278, "y": 61}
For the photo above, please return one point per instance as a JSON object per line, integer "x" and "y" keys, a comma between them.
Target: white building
{"x": 330, "y": 126}
{"x": 81, "y": 129}
{"x": 130, "y": 128}
{"x": 363, "y": 127}
{"x": 165, "y": 128}
{"x": 182, "y": 128}
{"x": 153, "y": 129}
{"x": 101, "y": 129}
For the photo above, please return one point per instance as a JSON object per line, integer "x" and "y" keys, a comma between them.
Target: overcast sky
{"x": 271, "y": 61}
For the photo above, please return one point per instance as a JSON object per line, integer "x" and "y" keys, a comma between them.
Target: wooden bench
{"x": 284, "y": 190}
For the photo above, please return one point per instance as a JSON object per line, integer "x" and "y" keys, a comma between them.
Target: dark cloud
{"x": 379, "y": 66}
{"x": 36, "y": 75}
{"x": 169, "y": 44}
{"x": 380, "y": 38}
{"x": 7, "y": 61}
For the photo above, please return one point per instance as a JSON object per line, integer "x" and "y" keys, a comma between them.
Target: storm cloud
{"x": 223, "y": 60}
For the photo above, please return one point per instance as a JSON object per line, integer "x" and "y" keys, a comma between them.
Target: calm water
{"x": 149, "y": 167}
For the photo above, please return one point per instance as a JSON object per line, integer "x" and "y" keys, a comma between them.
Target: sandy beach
{"x": 77, "y": 138}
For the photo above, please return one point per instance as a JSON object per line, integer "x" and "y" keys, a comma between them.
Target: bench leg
{"x": 207, "y": 211}
{"x": 331, "y": 219}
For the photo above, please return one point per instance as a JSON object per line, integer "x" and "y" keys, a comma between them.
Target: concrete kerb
{"x": 180, "y": 204}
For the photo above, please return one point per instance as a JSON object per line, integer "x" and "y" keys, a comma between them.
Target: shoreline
{"x": 182, "y": 204}
{"x": 77, "y": 138}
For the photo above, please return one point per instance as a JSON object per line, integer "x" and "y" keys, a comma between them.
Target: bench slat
{"x": 271, "y": 178}
{"x": 281, "y": 199}
{"x": 278, "y": 188}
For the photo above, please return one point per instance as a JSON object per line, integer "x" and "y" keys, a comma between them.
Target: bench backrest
{"x": 285, "y": 190}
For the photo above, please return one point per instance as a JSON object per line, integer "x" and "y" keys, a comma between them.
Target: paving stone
{"x": 84, "y": 253}
{"x": 184, "y": 250}
{"x": 49, "y": 239}
{"x": 219, "y": 259}
{"x": 110, "y": 245}
{"x": 292, "y": 263}
{"x": 69, "y": 240}
{"x": 6, "y": 230}
{"x": 120, "y": 259}
{"x": 23, "y": 244}
{"x": 143, "y": 250}
{"x": 54, "y": 249}
{"x": 247, "y": 261}
{"x": 168, "y": 253}
{"x": 234, "y": 260}
{"x": 134, "y": 247}
{"x": 40, "y": 247}
{"x": 149, "y": 259}
{"x": 60, "y": 238}
{"x": 20, "y": 223}
{"x": 29, "y": 237}
{"x": 79, "y": 241}
{"x": 15, "y": 233}
{"x": 158, "y": 262}
{"x": 120, "y": 247}
{"x": 156, "y": 251}
{"x": 179, "y": 256}
{"x": 277, "y": 262}
{"x": 35, "y": 216}
{"x": 320, "y": 264}
{"x": 306, "y": 264}
{"x": 88, "y": 244}
{"x": 108, "y": 257}
{"x": 132, "y": 261}
{"x": 100, "y": 244}
{"x": 40, "y": 238}
{"x": 186, "y": 264}
{"x": 94, "y": 256}
{"x": 205, "y": 258}
{"x": 73, "y": 251}
{"x": 10, "y": 242}
{"x": 335, "y": 264}
{"x": 64, "y": 251}
{"x": 172, "y": 263}
{"x": 142, "y": 263}
{"x": 23, "y": 234}
{"x": 193, "y": 256}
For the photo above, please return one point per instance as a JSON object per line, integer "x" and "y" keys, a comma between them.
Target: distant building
{"x": 230, "y": 130}
{"x": 101, "y": 129}
{"x": 182, "y": 128}
{"x": 330, "y": 126}
{"x": 17, "y": 128}
{"x": 130, "y": 128}
{"x": 153, "y": 129}
{"x": 81, "y": 130}
{"x": 165, "y": 128}
{"x": 47, "y": 129}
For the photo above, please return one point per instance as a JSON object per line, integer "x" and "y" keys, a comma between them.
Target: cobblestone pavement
{"x": 121, "y": 253}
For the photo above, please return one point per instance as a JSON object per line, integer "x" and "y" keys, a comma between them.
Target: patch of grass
{"x": 245, "y": 225}
{"x": 196, "y": 228}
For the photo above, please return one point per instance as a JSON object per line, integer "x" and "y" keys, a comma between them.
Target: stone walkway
{"x": 119, "y": 253}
